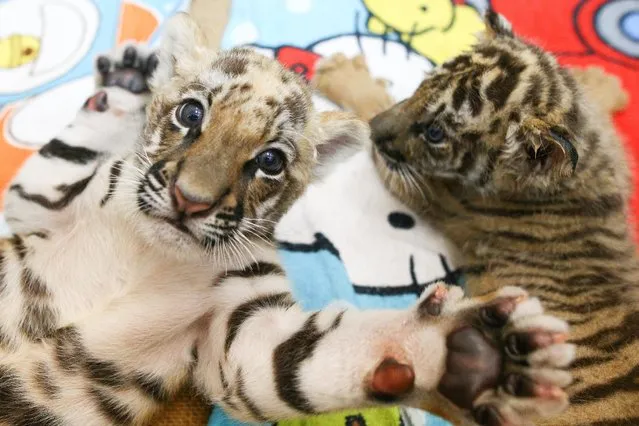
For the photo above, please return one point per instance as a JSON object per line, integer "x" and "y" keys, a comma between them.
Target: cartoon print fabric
{"x": 47, "y": 48}
{"x": 346, "y": 239}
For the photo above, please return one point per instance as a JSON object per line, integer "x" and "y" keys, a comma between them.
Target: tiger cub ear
{"x": 496, "y": 25}
{"x": 181, "y": 47}
{"x": 342, "y": 135}
{"x": 545, "y": 147}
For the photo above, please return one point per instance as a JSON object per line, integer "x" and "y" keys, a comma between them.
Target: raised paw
{"x": 349, "y": 84}
{"x": 129, "y": 68}
{"x": 603, "y": 88}
{"x": 505, "y": 359}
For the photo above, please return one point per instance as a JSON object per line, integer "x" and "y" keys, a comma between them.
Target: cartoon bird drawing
{"x": 436, "y": 29}
{"x": 17, "y": 50}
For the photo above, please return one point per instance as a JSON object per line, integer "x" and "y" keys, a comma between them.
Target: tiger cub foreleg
{"x": 40, "y": 196}
{"x": 496, "y": 358}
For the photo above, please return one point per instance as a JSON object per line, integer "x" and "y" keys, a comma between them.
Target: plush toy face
{"x": 413, "y": 16}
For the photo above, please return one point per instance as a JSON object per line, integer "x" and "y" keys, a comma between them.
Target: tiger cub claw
{"x": 506, "y": 360}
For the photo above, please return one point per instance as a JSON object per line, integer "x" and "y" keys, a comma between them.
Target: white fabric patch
{"x": 245, "y": 33}
{"x": 299, "y": 6}
{"x": 4, "y": 228}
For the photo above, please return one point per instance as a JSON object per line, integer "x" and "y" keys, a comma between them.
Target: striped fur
{"x": 116, "y": 293}
{"x": 530, "y": 180}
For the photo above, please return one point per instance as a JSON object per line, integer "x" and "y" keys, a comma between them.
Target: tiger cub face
{"x": 231, "y": 141}
{"x": 503, "y": 119}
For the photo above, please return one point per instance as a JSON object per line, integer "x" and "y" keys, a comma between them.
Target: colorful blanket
{"x": 346, "y": 239}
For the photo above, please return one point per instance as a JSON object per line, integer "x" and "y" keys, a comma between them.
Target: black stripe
{"x": 74, "y": 154}
{"x": 117, "y": 412}
{"x": 589, "y": 361}
{"x": 3, "y": 272}
{"x": 39, "y": 320}
{"x": 18, "y": 246}
{"x": 248, "y": 309}
{"x": 5, "y": 342}
{"x": 192, "y": 135}
{"x": 561, "y": 238}
{"x": 499, "y": 90}
{"x": 590, "y": 250}
{"x": 557, "y": 288}
{"x": 255, "y": 270}
{"x": 474, "y": 95}
{"x": 104, "y": 372}
{"x": 626, "y": 421}
{"x": 601, "y": 207}
{"x": 248, "y": 403}
{"x": 70, "y": 192}
{"x": 467, "y": 162}
{"x": 461, "y": 92}
{"x": 32, "y": 286}
{"x": 289, "y": 356}
{"x": 69, "y": 351}
{"x": 628, "y": 382}
{"x": 589, "y": 307}
{"x": 533, "y": 94}
{"x": 114, "y": 175}
{"x": 40, "y": 234}
{"x": 152, "y": 386}
{"x": 612, "y": 339}
{"x": 44, "y": 381}
{"x": 16, "y": 409}
{"x": 225, "y": 383}
{"x": 487, "y": 173}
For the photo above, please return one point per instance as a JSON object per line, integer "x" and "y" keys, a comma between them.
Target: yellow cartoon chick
{"x": 436, "y": 29}
{"x": 17, "y": 50}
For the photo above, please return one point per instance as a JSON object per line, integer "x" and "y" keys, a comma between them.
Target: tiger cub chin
{"x": 500, "y": 150}
{"x": 143, "y": 261}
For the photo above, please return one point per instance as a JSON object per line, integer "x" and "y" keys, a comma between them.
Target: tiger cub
{"x": 142, "y": 264}
{"x": 500, "y": 150}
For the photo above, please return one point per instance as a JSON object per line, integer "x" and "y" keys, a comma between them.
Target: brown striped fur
{"x": 531, "y": 182}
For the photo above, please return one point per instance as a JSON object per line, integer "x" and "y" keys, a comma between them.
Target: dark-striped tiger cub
{"x": 143, "y": 263}
{"x": 500, "y": 150}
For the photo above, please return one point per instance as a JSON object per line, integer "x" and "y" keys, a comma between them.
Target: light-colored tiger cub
{"x": 144, "y": 263}
{"x": 525, "y": 174}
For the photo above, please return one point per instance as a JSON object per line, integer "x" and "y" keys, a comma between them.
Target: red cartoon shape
{"x": 298, "y": 60}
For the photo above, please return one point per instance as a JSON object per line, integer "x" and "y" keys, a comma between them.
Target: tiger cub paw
{"x": 349, "y": 84}
{"x": 603, "y": 88}
{"x": 129, "y": 68}
{"x": 506, "y": 359}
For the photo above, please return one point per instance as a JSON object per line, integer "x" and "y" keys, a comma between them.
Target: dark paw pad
{"x": 131, "y": 72}
{"x": 497, "y": 313}
{"x": 128, "y": 79}
{"x": 473, "y": 365}
{"x": 487, "y": 415}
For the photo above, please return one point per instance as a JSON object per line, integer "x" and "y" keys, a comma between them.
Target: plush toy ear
{"x": 547, "y": 148}
{"x": 342, "y": 135}
{"x": 497, "y": 25}
{"x": 182, "y": 45}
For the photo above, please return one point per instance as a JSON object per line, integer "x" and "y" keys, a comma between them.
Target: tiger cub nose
{"x": 185, "y": 203}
